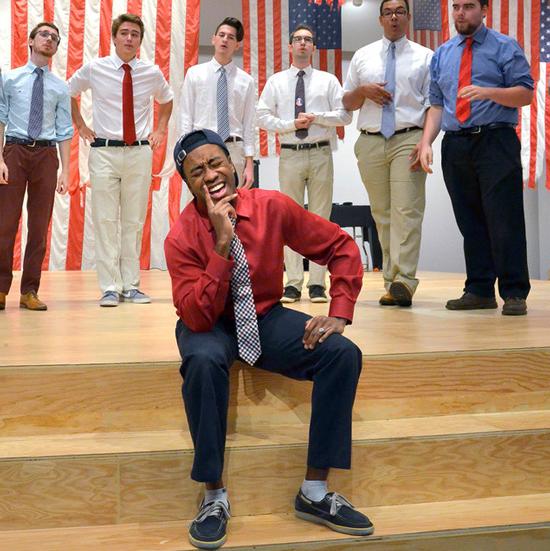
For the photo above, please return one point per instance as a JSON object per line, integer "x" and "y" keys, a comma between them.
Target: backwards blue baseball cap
{"x": 191, "y": 141}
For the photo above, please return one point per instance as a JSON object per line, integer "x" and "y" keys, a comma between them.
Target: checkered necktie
{"x": 37, "y": 105}
{"x": 387, "y": 127}
{"x": 222, "y": 105}
{"x": 246, "y": 322}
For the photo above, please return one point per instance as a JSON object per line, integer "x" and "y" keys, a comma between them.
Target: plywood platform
{"x": 450, "y": 446}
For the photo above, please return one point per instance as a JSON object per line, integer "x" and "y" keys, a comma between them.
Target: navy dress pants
{"x": 334, "y": 367}
{"x": 483, "y": 176}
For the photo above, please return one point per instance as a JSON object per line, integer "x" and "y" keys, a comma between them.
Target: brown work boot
{"x": 30, "y": 301}
{"x": 2, "y": 301}
{"x": 401, "y": 293}
{"x": 387, "y": 300}
{"x": 469, "y": 301}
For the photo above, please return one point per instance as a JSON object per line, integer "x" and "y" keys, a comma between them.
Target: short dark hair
{"x": 406, "y": 4}
{"x": 302, "y": 27}
{"x": 127, "y": 18}
{"x": 236, "y": 24}
{"x": 33, "y": 32}
{"x": 483, "y": 2}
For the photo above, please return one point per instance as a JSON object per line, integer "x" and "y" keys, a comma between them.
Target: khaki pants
{"x": 120, "y": 179}
{"x": 397, "y": 200}
{"x": 236, "y": 150}
{"x": 298, "y": 170}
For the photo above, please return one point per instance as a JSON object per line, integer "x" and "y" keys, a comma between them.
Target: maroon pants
{"x": 33, "y": 169}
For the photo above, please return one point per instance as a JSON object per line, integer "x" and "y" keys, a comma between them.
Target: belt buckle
{"x": 300, "y": 146}
{"x": 477, "y": 130}
{"x": 33, "y": 144}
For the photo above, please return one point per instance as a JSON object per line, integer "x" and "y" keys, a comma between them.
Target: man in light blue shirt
{"x": 34, "y": 117}
{"x": 479, "y": 79}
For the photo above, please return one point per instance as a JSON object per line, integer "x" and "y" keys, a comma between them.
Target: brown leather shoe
{"x": 514, "y": 307}
{"x": 401, "y": 294}
{"x": 2, "y": 301}
{"x": 30, "y": 301}
{"x": 387, "y": 300}
{"x": 469, "y": 301}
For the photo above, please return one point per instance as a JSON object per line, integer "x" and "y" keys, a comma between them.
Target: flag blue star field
{"x": 427, "y": 15}
{"x": 545, "y": 32}
{"x": 325, "y": 20}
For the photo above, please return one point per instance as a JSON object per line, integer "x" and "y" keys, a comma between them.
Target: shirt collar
{"x": 30, "y": 66}
{"x": 307, "y": 70}
{"x": 399, "y": 44}
{"x": 216, "y": 65}
{"x": 118, "y": 63}
{"x": 478, "y": 36}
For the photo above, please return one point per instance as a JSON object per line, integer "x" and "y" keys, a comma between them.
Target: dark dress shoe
{"x": 387, "y": 300}
{"x": 469, "y": 301}
{"x": 514, "y": 307}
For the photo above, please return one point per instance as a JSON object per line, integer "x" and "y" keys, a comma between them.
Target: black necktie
{"x": 300, "y": 103}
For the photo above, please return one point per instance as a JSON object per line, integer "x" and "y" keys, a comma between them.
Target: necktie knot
{"x": 127, "y": 68}
{"x": 222, "y": 70}
{"x": 301, "y": 73}
{"x": 39, "y": 71}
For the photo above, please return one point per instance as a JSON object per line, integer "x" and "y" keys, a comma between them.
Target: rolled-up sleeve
{"x": 516, "y": 69}
{"x": 435, "y": 96}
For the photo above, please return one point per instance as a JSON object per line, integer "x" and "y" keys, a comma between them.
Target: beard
{"x": 466, "y": 28}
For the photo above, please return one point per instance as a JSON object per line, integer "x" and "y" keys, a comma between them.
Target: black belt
{"x": 233, "y": 139}
{"x": 30, "y": 143}
{"x": 400, "y": 131}
{"x": 300, "y": 146}
{"x": 102, "y": 142}
{"x": 480, "y": 129}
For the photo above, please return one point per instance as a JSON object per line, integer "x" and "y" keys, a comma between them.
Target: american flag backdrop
{"x": 267, "y": 26}
{"x": 528, "y": 21}
{"x": 170, "y": 41}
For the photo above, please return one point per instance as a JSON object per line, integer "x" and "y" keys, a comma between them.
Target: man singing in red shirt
{"x": 225, "y": 257}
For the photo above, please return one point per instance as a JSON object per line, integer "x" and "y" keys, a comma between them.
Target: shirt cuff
{"x": 219, "y": 267}
{"x": 341, "y": 308}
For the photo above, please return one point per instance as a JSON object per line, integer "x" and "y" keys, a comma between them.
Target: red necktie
{"x": 128, "y": 121}
{"x": 464, "y": 105}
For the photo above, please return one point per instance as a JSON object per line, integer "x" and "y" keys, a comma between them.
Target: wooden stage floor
{"x": 76, "y": 331}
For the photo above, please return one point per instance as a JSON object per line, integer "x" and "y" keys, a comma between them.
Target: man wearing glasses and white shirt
{"x": 220, "y": 96}
{"x": 304, "y": 106}
{"x": 120, "y": 162}
{"x": 388, "y": 81}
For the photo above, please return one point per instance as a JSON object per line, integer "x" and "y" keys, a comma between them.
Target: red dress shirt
{"x": 266, "y": 221}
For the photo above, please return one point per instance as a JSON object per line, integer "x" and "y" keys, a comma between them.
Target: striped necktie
{"x": 222, "y": 105}
{"x": 464, "y": 105}
{"x": 387, "y": 127}
{"x": 246, "y": 321}
{"x": 36, "y": 113}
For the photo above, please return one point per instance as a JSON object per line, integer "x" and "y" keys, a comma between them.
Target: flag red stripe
{"x": 533, "y": 143}
{"x": 134, "y": 6}
{"x": 262, "y": 73}
{"x": 192, "y": 24}
{"x": 246, "y": 46}
{"x": 535, "y": 42}
{"x": 48, "y": 10}
{"x": 504, "y": 17}
{"x": 520, "y": 30}
{"x": 277, "y": 38}
{"x": 75, "y": 54}
{"x": 445, "y": 19}
{"x": 547, "y": 128}
{"x": 323, "y": 60}
{"x": 19, "y": 56}
{"x": 105, "y": 18}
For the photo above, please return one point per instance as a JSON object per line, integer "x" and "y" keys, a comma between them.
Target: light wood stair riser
{"x": 110, "y": 489}
{"x": 49, "y": 400}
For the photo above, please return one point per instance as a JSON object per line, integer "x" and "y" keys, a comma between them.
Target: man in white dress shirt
{"x": 220, "y": 96}
{"x": 388, "y": 81}
{"x": 120, "y": 162}
{"x": 304, "y": 106}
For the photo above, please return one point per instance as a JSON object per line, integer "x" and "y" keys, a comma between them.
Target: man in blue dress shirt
{"x": 34, "y": 116}
{"x": 479, "y": 78}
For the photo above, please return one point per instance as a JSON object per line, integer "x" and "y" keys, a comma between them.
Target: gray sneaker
{"x": 135, "y": 295}
{"x": 109, "y": 299}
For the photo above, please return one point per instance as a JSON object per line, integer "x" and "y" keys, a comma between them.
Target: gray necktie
{"x": 388, "y": 111}
{"x": 36, "y": 113}
{"x": 246, "y": 321}
{"x": 300, "y": 103}
{"x": 222, "y": 105}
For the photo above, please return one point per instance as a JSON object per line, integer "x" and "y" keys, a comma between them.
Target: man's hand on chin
{"x": 319, "y": 328}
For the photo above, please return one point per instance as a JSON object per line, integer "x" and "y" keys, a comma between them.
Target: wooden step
{"x": 141, "y": 477}
{"x": 130, "y": 397}
{"x": 518, "y": 523}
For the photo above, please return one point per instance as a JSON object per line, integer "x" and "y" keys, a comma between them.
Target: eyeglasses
{"x": 399, "y": 12}
{"x": 46, "y": 34}
{"x": 306, "y": 39}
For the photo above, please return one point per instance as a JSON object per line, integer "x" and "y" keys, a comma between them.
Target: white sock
{"x": 216, "y": 495}
{"x": 315, "y": 490}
